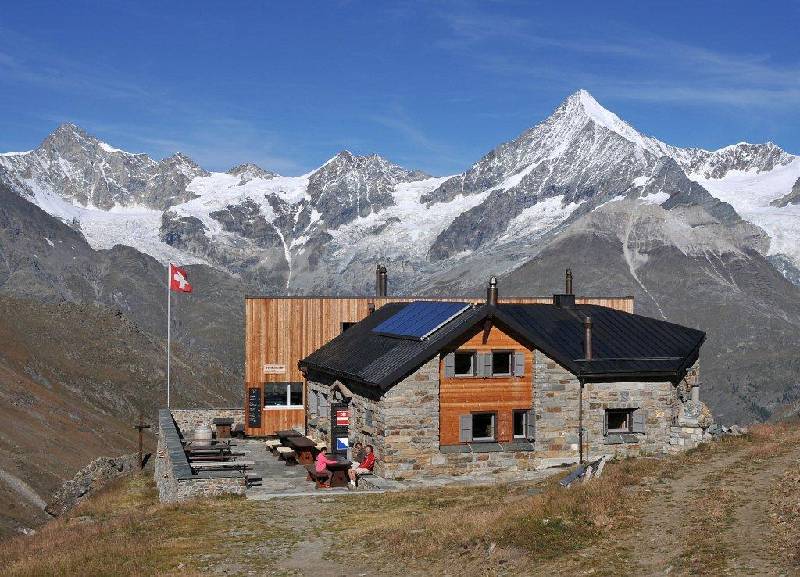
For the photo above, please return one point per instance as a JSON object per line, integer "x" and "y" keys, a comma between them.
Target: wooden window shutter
{"x": 519, "y": 364}
{"x": 605, "y": 422}
{"x": 485, "y": 364}
{"x": 449, "y": 364}
{"x": 531, "y": 432}
{"x": 639, "y": 420}
{"x": 465, "y": 434}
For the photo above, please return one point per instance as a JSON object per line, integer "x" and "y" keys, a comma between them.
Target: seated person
{"x": 321, "y": 465}
{"x": 365, "y": 466}
{"x": 358, "y": 454}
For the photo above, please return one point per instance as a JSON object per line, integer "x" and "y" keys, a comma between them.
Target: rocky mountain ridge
{"x": 581, "y": 179}
{"x": 286, "y": 233}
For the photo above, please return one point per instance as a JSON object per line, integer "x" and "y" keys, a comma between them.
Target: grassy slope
{"x": 73, "y": 378}
{"x": 643, "y": 516}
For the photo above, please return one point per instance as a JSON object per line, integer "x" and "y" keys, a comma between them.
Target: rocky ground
{"x": 731, "y": 507}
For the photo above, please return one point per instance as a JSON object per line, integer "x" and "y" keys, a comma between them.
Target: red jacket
{"x": 368, "y": 462}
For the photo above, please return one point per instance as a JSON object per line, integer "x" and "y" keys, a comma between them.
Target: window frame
{"x": 493, "y": 438}
{"x": 628, "y": 421}
{"x": 473, "y": 363}
{"x": 510, "y": 354}
{"x": 524, "y": 413}
{"x": 288, "y": 398}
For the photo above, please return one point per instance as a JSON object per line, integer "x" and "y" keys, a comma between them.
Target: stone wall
{"x": 403, "y": 424}
{"x": 173, "y": 476}
{"x": 403, "y": 427}
{"x": 556, "y": 403}
{"x": 189, "y": 419}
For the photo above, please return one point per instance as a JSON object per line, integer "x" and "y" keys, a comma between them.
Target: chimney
{"x": 384, "y": 282}
{"x": 491, "y": 292}
{"x": 566, "y": 300}
{"x": 587, "y": 338}
{"x": 378, "y": 281}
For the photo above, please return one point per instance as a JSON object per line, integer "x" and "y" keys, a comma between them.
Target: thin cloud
{"x": 666, "y": 70}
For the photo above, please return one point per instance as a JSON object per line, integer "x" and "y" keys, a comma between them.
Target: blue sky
{"x": 430, "y": 85}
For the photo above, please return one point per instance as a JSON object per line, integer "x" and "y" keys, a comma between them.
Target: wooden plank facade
{"x": 501, "y": 396}
{"x": 279, "y": 331}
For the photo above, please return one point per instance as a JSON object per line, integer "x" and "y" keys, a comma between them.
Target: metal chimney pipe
{"x": 587, "y": 338}
{"x": 491, "y": 292}
{"x": 384, "y": 282}
{"x": 568, "y": 277}
{"x": 378, "y": 281}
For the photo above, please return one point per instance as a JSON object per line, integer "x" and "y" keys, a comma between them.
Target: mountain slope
{"x": 728, "y": 216}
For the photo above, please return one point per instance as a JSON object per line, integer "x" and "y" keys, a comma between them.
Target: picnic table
{"x": 218, "y": 450}
{"x": 286, "y": 434}
{"x": 339, "y": 471}
{"x": 221, "y": 465}
{"x": 303, "y": 448}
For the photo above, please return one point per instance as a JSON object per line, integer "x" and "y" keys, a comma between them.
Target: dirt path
{"x": 710, "y": 517}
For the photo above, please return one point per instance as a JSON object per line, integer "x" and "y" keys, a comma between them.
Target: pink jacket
{"x": 323, "y": 461}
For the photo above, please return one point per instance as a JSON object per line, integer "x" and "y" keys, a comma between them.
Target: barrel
{"x": 202, "y": 435}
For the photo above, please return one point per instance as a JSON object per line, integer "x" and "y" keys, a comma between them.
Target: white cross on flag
{"x": 179, "y": 280}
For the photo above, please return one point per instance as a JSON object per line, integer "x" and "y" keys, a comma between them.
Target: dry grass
{"x": 503, "y": 525}
{"x": 505, "y": 529}
{"x": 502, "y": 529}
{"x": 124, "y": 531}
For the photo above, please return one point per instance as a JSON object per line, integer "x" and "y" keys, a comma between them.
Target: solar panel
{"x": 419, "y": 319}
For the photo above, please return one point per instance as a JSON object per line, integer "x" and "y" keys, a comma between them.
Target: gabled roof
{"x": 625, "y": 346}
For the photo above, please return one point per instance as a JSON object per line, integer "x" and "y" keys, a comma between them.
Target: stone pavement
{"x": 281, "y": 480}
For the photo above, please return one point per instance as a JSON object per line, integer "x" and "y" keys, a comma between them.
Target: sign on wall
{"x": 342, "y": 418}
{"x": 342, "y": 443}
{"x": 274, "y": 369}
{"x": 254, "y": 407}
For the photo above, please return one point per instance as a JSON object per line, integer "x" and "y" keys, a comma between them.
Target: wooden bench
{"x": 287, "y": 455}
{"x": 320, "y": 481}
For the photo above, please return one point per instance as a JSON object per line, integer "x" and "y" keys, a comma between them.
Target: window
{"x": 313, "y": 407}
{"x": 346, "y": 325}
{"x": 619, "y": 420}
{"x": 283, "y": 395}
{"x": 501, "y": 363}
{"x": 464, "y": 364}
{"x": 521, "y": 424}
{"x": 483, "y": 427}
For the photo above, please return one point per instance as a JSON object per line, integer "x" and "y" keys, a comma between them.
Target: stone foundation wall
{"x": 189, "y": 419}
{"x": 173, "y": 477}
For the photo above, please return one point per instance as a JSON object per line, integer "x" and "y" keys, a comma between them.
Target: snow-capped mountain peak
{"x": 357, "y": 208}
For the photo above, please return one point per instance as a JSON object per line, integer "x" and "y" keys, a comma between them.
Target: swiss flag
{"x": 179, "y": 280}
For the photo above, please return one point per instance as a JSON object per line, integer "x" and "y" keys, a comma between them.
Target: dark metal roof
{"x": 625, "y": 346}
{"x": 622, "y": 343}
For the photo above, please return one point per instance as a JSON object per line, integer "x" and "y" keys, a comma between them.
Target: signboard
{"x": 274, "y": 369}
{"x": 340, "y": 421}
{"x": 342, "y": 418}
{"x": 254, "y": 407}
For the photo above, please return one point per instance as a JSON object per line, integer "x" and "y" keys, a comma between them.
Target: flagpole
{"x": 169, "y": 323}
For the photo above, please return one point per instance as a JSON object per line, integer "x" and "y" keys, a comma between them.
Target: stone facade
{"x": 173, "y": 476}
{"x": 403, "y": 426}
{"x": 403, "y": 423}
{"x": 556, "y": 403}
{"x": 188, "y": 419}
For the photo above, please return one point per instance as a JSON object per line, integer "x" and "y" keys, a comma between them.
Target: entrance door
{"x": 340, "y": 428}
